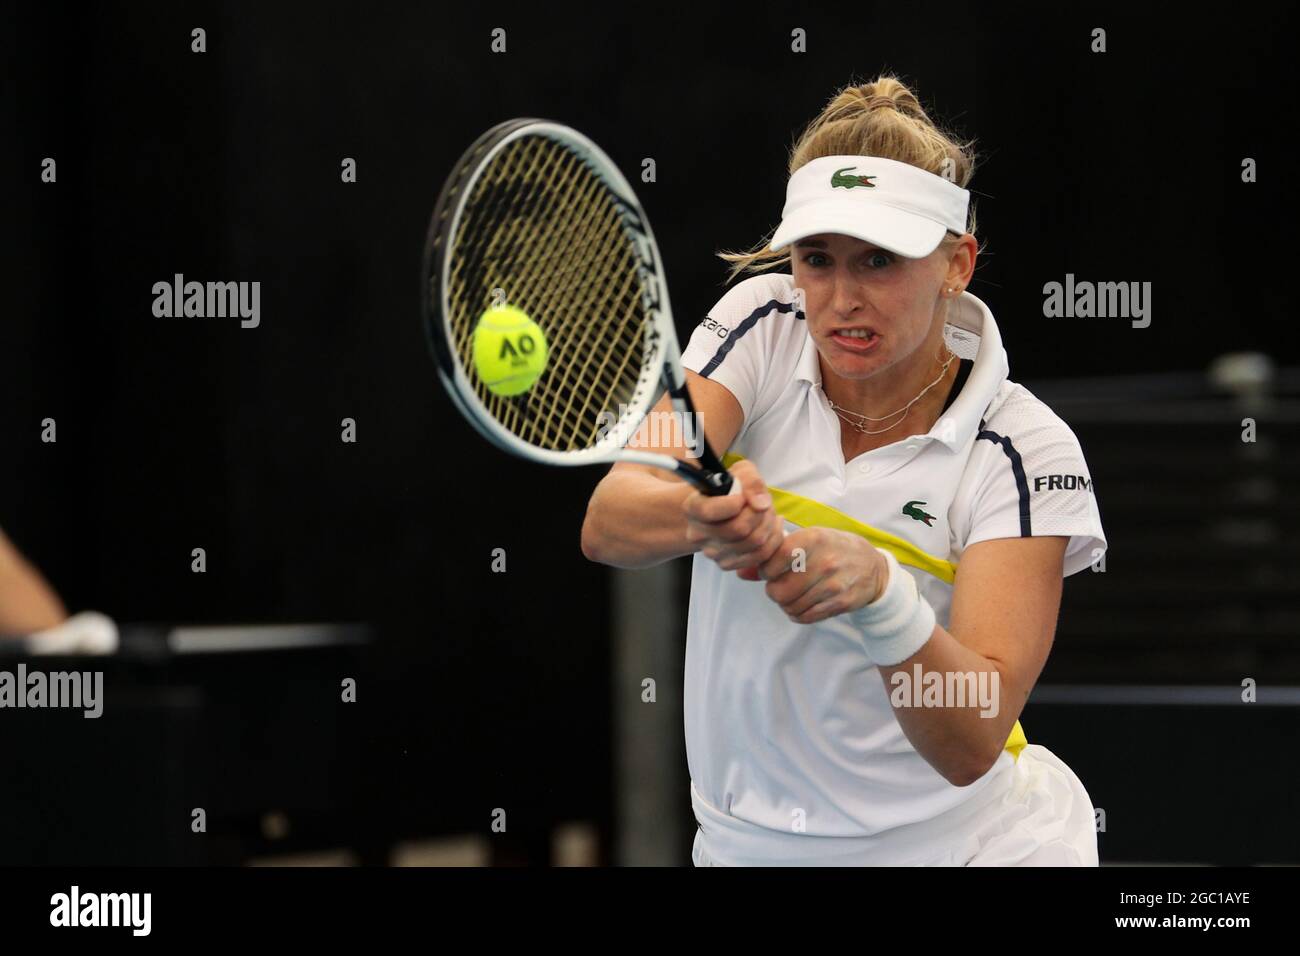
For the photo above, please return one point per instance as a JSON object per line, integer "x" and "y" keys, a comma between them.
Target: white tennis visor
{"x": 893, "y": 205}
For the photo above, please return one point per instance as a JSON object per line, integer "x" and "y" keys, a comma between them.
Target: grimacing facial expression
{"x": 867, "y": 309}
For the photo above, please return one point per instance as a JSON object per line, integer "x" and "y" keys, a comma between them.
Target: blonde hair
{"x": 881, "y": 118}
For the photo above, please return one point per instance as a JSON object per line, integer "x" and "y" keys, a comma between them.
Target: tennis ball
{"x": 509, "y": 350}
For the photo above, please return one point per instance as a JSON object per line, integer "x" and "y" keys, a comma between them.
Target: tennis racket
{"x": 536, "y": 216}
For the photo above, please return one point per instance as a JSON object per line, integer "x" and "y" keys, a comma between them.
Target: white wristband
{"x": 898, "y": 622}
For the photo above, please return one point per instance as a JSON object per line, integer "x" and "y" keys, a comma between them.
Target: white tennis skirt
{"x": 1042, "y": 817}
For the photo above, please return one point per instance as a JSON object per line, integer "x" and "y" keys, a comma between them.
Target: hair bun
{"x": 880, "y": 101}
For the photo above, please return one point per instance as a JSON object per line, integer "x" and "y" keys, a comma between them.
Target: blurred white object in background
{"x": 88, "y": 632}
{"x": 1244, "y": 373}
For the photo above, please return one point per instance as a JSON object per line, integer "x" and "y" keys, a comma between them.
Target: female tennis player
{"x": 872, "y": 604}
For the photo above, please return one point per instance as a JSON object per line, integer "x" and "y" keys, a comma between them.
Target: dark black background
{"x": 183, "y": 433}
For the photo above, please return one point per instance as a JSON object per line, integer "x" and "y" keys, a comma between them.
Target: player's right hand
{"x": 739, "y": 531}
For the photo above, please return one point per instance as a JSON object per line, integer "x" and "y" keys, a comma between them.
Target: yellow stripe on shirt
{"x": 1016, "y": 742}
{"x": 808, "y": 513}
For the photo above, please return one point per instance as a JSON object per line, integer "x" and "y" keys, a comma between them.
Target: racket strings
{"x": 541, "y": 227}
{"x": 475, "y": 264}
{"x": 576, "y": 376}
{"x": 542, "y": 284}
{"x": 558, "y": 278}
{"x": 605, "y": 368}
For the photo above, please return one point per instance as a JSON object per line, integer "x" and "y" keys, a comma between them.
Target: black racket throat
{"x": 714, "y": 480}
{"x": 710, "y": 476}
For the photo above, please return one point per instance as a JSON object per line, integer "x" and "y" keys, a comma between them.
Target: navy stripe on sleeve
{"x": 750, "y": 321}
{"x": 1017, "y": 469}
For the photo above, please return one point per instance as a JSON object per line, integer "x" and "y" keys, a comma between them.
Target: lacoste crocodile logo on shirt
{"x": 912, "y": 511}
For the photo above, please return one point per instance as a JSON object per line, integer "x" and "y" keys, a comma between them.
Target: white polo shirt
{"x": 790, "y": 735}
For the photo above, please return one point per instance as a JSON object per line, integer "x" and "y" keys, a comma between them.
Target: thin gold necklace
{"x": 843, "y": 412}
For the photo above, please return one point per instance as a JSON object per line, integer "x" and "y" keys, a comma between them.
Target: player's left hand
{"x": 840, "y": 573}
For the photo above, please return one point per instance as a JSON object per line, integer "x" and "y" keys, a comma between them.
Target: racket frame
{"x": 663, "y": 364}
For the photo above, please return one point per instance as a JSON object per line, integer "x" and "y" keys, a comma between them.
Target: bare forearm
{"x": 635, "y": 520}
{"x": 961, "y": 736}
{"x": 27, "y": 603}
